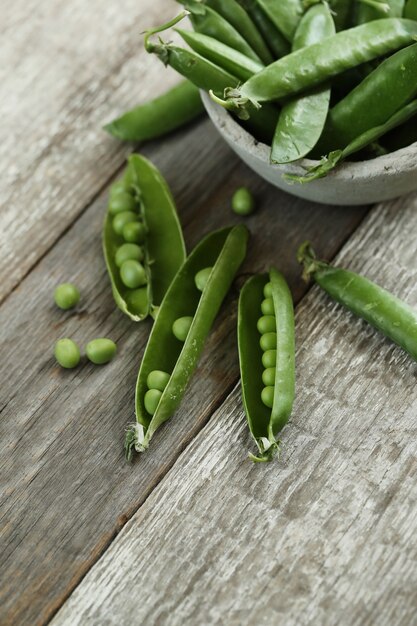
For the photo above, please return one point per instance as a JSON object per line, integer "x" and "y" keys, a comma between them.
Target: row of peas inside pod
{"x": 142, "y": 239}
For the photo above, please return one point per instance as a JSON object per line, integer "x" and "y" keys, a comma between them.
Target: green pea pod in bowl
{"x": 142, "y": 239}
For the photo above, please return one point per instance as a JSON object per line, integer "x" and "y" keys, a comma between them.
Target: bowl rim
{"x": 404, "y": 159}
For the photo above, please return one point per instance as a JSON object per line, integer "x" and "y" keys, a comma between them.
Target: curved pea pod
{"x": 410, "y": 10}
{"x": 223, "y": 251}
{"x": 208, "y": 22}
{"x": 302, "y": 120}
{"x": 265, "y": 423}
{"x": 381, "y": 309}
{"x": 163, "y": 248}
{"x": 285, "y": 15}
{"x": 304, "y": 69}
{"x": 276, "y": 41}
{"x": 392, "y": 84}
{"x": 225, "y": 57}
{"x": 156, "y": 118}
{"x": 236, "y": 15}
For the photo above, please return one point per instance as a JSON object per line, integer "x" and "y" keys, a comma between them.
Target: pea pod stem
{"x": 381, "y": 309}
{"x": 149, "y": 46}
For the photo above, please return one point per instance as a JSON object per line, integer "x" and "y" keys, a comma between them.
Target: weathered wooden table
{"x": 192, "y": 532}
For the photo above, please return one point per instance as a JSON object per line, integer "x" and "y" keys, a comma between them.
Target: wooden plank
{"x": 66, "y": 69}
{"x": 327, "y": 535}
{"x": 67, "y": 489}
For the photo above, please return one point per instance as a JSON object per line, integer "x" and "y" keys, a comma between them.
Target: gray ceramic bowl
{"x": 364, "y": 182}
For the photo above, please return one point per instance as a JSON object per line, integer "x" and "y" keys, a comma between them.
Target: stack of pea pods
{"x": 324, "y": 80}
{"x": 319, "y": 79}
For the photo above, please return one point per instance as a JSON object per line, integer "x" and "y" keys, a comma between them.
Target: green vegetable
{"x": 151, "y": 400}
{"x": 393, "y": 317}
{"x": 276, "y": 41}
{"x": 128, "y": 252}
{"x": 134, "y": 232}
{"x": 181, "y": 327}
{"x": 121, "y": 200}
{"x": 67, "y": 353}
{"x": 163, "y": 250}
{"x": 268, "y": 341}
{"x": 157, "y": 380}
{"x": 66, "y": 296}
{"x": 243, "y": 202}
{"x": 284, "y": 15}
{"x": 123, "y": 218}
{"x": 100, "y": 351}
{"x": 202, "y": 277}
{"x": 302, "y": 120}
{"x": 175, "y": 108}
{"x": 268, "y": 378}
{"x": 224, "y": 251}
{"x": 314, "y": 65}
{"x": 410, "y": 10}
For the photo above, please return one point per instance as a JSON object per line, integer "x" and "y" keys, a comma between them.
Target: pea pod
{"x": 268, "y": 406}
{"x": 210, "y": 77}
{"x": 225, "y": 57}
{"x": 368, "y": 10}
{"x": 241, "y": 21}
{"x": 306, "y": 68}
{"x": 156, "y": 118}
{"x": 163, "y": 251}
{"x": 208, "y": 22}
{"x": 166, "y": 358}
{"x": 284, "y": 15}
{"x": 387, "y": 313}
{"x": 341, "y": 10}
{"x": 276, "y": 41}
{"x": 329, "y": 162}
{"x": 302, "y": 120}
{"x": 410, "y": 10}
{"x": 392, "y": 84}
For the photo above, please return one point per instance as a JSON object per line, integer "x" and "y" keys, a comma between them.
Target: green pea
{"x": 267, "y": 306}
{"x": 267, "y": 324}
{"x": 128, "y": 252}
{"x": 100, "y": 351}
{"x": 268, "y": 290}
{"x": 157, "y": 380}
{"x": 134, "y": 232}
{"x": 202, "y": 277}
{"x": 268, "y": 376}
{"x": 269, "y": 358}
{"x": 181, "y": 327}
{"x": 67, "y": 353}
{"x": 151, "y": 400}
{"x": 243, "y": 202}
{"x": 133, "y": 274}
{"x": 123, "y": 218}
{"x": 268, "y": 341}
{"x": 119, "y": 187}
{"x": 267, "y": 396}
{"x": 66, "y": 296}
{"x": 137, "y": 299}
{"x": 121, "y": 202}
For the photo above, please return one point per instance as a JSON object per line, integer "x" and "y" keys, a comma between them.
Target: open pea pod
{"x": 267, "y": 358}
{"x": 183, "y": 322}
{"x": 142, "y": 239}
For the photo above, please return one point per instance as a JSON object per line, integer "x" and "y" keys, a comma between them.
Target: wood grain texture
{"x": 67, "y": 68}
{"x": 326, "y": 535}
{"x": 67, "y": 490}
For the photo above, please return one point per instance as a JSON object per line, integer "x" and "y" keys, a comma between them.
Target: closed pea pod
{"x": 208, "y": 22}
{"x": 285, "y": 15}
{"x": 267, "y": 376}
{"x": 392, "y": 84}
{"x": 410, "y": 10}
{"x": 173, "y": 109}
{"x": 311, "y": 66}
{"x": 225, "y": 57}
{"x": 368, "y": 10}
{"x": 302, "y": 120}
{"x": 276, "y": 41}
{"x": 236, "y": 15}
{"x": 140, "y": 276}
{"x": 387, "y": 313}
{"x": 224, "y": 250}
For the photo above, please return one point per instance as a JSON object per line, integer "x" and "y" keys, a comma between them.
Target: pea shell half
{"x": 164, "y": 249}
{"x": 224, "y": 250}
